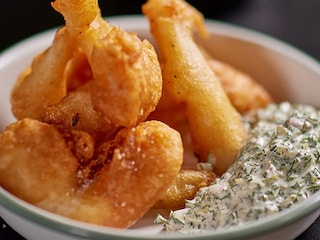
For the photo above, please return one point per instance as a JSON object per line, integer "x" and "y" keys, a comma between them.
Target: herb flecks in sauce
{"x": 278, "y": 167}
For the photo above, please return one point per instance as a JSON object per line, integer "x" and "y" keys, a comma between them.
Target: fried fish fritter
{"x": 39, "y": 165}
{"x": 215, "y": 125}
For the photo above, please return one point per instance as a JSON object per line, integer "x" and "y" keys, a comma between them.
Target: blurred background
{"x": 296, "y": 22}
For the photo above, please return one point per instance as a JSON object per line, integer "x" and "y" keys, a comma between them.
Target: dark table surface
{"x": 296, "y": 22}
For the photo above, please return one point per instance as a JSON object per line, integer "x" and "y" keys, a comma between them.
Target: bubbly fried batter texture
{"x": 184, "y": 187}
{"x": 243, "y": 91}
{"x": 145, "y": 161}
{"x": 215, "y": 126}
{"x": 84, "y": 102}
{"x": 121, "y": 69}
{"x": 117, "y": 195}
{"x": 35, "y": 162}
{"x": 44, "y": 82}
{"x": 75, "y": 111}
{"x": 125, "y": 70}
{"x": 83, "y": 22}
{"x": 131, "y": 74}
{"x": 93, "y": 141}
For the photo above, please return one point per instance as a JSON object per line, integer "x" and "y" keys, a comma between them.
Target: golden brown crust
{"x": 82, "y": 139}
{"x": 215, "y": 126}
{"x": 185, "y": 186}
{"x": 31, "y": 94}
{"x": 34, "y": 158}
{"x": 244, "y": 92}
{"x": 45, "y": 167}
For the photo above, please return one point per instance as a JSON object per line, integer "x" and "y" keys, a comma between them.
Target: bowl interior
{"x": 286, "y": 73}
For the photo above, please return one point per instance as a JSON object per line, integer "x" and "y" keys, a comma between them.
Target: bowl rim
{"x": 80, "y": 229}
{"x": 77, "y": 228}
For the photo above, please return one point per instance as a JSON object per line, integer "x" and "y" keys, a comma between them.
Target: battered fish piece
{"x": 44, "y": 171}
{"x": 76, "y": 111}
{"x": 243, "y": 91}
{"x": 127, "y": 86}
{"x": 127, "y": 80}
{"x": 33, "y": 166}
{"x": 185, "y": 186}
{"x": 83, "y": 22}
{"x": 215, "y": 125}
{"x": 145, "y": 161}
{"x": 91, "y": 129}
{"x": 44, "y": 83}
{"x": 123, "y": 70}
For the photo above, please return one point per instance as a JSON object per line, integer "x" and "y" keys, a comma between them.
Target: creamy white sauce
{"x": 278, "y": 167}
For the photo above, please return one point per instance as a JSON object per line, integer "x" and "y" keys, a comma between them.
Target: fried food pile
{"x": 106, "y": 125}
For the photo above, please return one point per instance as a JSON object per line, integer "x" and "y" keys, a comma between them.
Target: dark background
{"x": 296, "y": 22}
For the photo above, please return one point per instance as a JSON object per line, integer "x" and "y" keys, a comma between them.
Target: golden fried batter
{"x": 146, "y": 159}
{"x": 75, "y": 111}
{"x": 127, "y": 80}
{"x": 184, "y": 187}
{"x": 44, "y": 83}
{"x": 123, "y": 71}
{"x": 84, "y": 145}
{"x": 215, "y": 126}
{"x": 78, "y": 71}
{"x": 35, "y": 162}
{"x": 83, "y": 22}
{"x": 244, "y": 92}
{"x": 142, "y": 164}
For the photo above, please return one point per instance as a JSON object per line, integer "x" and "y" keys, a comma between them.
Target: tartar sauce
{"x": 278, "y": 167}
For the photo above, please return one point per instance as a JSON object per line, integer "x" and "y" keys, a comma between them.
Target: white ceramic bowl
{"x": 286, "y": 72}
